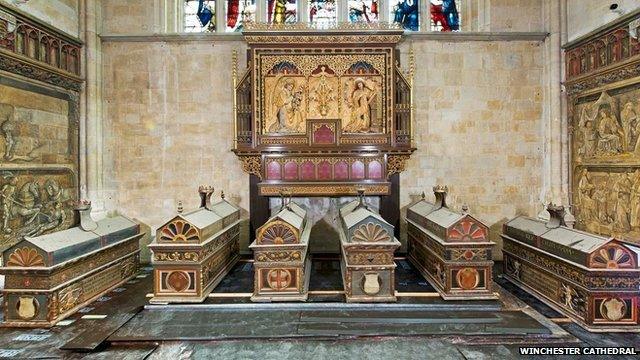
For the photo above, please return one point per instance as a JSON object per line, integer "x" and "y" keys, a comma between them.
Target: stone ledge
{"x": 479, "y": 36}
{"x": 440, "y": 36}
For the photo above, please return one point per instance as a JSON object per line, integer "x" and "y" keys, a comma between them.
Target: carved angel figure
{"x": 287, "y": 105}
{"x": 360, "y": 101}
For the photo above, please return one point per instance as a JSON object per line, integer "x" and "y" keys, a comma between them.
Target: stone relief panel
{"x": 347, "y": 87}
{"x": 608, "y": 202}
{"x": 38, "y": 160}
{"x": 606, "y": 160}
{"x": 35, "y": 202}
{"x": 607, "y": 129}
{"x": 34, "y": 128}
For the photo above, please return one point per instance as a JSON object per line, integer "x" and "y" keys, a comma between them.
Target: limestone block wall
{"x": 167, "y": 112}
{"x": 61, "y": 14}
{"x": 478, "y": 128}
{"x": 167, "y": 122}
{"x": 130, "y": 17}
{"x": 516, "y": 15}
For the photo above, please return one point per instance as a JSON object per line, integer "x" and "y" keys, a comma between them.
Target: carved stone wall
{"x": 604, "y": 111}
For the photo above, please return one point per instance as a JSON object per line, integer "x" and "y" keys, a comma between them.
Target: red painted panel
{"x": 291, "y": 171}
{"x": 307, "y": 171}
{"x": 324, "y": 135}
{"x": 341, "y": 170}
{"x": 274, "y": 171}
{"x": 375, "y": 170}
{"x": 324, "y": 170}
{"x": 357, "y": 170}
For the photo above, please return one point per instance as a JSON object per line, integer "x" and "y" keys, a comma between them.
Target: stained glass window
{"x": 363, "y": 10}
{"x": 199, "y": 16}
{"x": 322, "y": 13}
{"x": 445, "y": 15}
{"x": 238, "y": 12}
{"x": 406, "y": 13}
{"x": 282, "y": 11}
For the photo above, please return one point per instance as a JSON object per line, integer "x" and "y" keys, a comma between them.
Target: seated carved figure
{"x": 609, "y": 133}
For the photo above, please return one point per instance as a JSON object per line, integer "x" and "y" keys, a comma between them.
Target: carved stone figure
{"x": 622, "y": 189}
{"x": 635, "y": 200}
{"x": 610, "y": 134}
{"x": 600, "y": 198}
{"x": 572, "y": 299}
{"x": 630, "y": 123}
{"x": 360, "y": 101}
{"x": 7, "y": 127}
{"x": 586, "y": 202}
{"x": 7, "y": 200}
{"x": 32, "y": 213}
{"x": 588, "y": 140}
{"x": 611, "y": 188}
{"x": 287, "y": 103}
{"x": 634, "y": 145}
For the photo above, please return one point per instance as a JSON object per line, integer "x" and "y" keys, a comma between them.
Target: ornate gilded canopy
{"x": 323, "y": 113}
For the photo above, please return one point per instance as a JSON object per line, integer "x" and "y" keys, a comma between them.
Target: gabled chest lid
{"x": 360, "y": 214}
{"x": 349, "y": 207}
{"x": 290, "y": 218}
{"x": 299, "y": 210}
{"x": 201, "y": 217}
{"x": 422, "y": 208}
{"x": 115, "y": 224}
{"x": 223, "y": 208}
{"x": 524, "y": 228}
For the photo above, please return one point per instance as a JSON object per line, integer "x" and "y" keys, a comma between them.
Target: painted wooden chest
{"x": 194, "y": 250}
{"x": 367, "y": 260}
{"x": 594, "y": 280}
{"x": 49, "y": 277}
{"x": 451, "y": 249}
{"x": 282, "y": 263}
